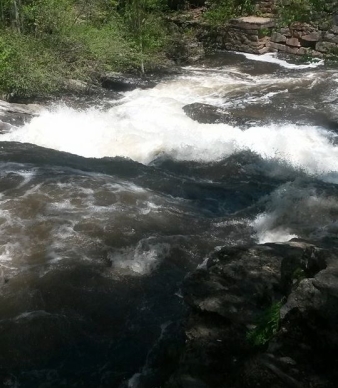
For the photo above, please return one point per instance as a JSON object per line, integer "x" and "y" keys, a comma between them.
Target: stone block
{"x": 277, "y": 46}
{"x": 301, "y": 26}
{"x": 316, "y": 54}
{"x": 253, "y": 38}
{"x": 304, "y": 51}
{"x": 291, "y": 50}
{"x": 312, "y": 37}
{"x": 278, "y": 38}
{"x": 332, "y": 38}
{"x": 293, "y": 42}
{"x": 286, "y": 32}
{"x": 252, "y": 23}
{"x": 326, "y": 47}
{"x": 263, "y": 50}
{"x": 251, "y": 32}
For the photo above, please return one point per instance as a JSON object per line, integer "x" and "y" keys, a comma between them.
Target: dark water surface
{"x": 104, "y": 211}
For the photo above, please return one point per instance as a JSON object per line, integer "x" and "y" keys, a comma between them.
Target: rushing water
{"x": 103, "y": 211}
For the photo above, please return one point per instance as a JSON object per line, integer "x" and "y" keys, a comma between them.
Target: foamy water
{"x": 273, "y": 58}
{"x": 151, "y": 123}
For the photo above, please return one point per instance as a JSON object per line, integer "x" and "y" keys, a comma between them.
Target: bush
{"x": 60, "y": 39}
{"x": 221, "y": 11}
{"x": 267, "y": 326}
{"x": 27, "y": 68}
{"x": 290, "y": 11}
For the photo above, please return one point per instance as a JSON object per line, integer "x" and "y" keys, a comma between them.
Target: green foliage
{"x": 264, "y": 32}
{"x": 267, "y": 326}
{"x": 145, "y": 25}
{"x": 290, "y": 11}
{"x": 298, "y": 275}
{"x": 222, "y": 11}
{"x": 27, "y": 67}
{"x": 46, "y": 17}
{"x": 60, "y": 39}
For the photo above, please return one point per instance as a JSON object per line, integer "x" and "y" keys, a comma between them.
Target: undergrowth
{"x": 267, "y": 326}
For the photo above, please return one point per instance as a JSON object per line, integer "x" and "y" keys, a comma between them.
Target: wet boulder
{"x": 220, "y": 289}
{"x": 17, "y": 114}
{"x": 263, "y": 316}
{"x": 206, "y": 114}
{"x": 122, "y": 83}
{"x": 4, "y": 127}
{"x": 209, "y": 114}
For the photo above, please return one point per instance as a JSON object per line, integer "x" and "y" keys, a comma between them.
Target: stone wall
{"x": 247, "y": 34}
{"x": 304, "y": 39}
{"x": 260, "y": 34}
{"x": 317, "y": 38}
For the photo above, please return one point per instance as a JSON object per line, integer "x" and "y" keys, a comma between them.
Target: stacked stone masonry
{"x": 259, "y": 34}
{"x": 304, "y": 39}
{"x": 248, "y": 34}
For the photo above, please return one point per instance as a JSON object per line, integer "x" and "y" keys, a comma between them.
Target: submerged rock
{"x": 230, "y": 297}
{"x": 205, "y": 113}
{"x": 209, "y": 114}
{"x": 4, "y": 127}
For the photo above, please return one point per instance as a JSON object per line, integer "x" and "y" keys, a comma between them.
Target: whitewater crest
{"x": 147, "y": 124}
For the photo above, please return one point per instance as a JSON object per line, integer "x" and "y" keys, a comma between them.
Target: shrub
{"x": 27, "y": 68}
{"x": 267, "y": 326}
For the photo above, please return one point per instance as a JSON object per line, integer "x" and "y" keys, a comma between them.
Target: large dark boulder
{"x": 232, "y": 293}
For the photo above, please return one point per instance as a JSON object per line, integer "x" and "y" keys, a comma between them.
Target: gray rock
{"x": 5, "y": 127}
{"x": 333, "y": 38}
{"x": 253, "y": 22}
{"x": 293, "y": 42}
{"x": 205, "y": 113}
{"x": 232, "y": 292}
{"x": 277, "y": 46}
{"x": 278, "y": 38}
{"x": 312, "y": 37}
{"x": 238, "y": 284}
{"x": 17, "y": 114}
{"x": 325, "y": 47}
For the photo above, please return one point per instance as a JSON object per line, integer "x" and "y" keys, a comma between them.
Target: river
{"x": 104, "y": 210}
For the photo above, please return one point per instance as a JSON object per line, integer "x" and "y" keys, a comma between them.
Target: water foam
{"x": 143, "y": 259}
{"x": 267, "y": 231}
{"x": 272, "y": 58}
{"x": 144, "y": 130}
{"x": 297, "y": 209}
{"x": 150, "y": 123}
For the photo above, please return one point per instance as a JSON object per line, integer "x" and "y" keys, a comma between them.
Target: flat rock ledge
{"x": 229, "y": 297}
{"x": 16, "y": 114}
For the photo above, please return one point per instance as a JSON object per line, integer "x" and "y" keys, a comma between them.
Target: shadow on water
{"x": 209, "y": 187}
{"x": 90, "y": 322}
{"x": 83, "y": 325}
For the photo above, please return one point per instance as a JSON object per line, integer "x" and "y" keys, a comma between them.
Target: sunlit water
{"x": 103, "y": 211}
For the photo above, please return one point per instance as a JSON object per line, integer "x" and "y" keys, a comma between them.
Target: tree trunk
{"x": 16, "y": 15}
